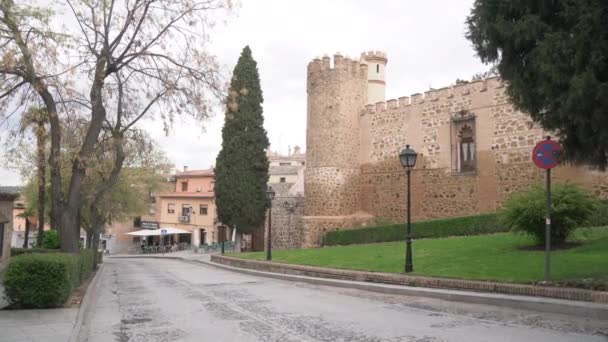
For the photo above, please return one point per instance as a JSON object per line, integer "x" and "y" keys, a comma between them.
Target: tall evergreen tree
{"x": 553, "y": 55}
{"x": 241, "y": 170}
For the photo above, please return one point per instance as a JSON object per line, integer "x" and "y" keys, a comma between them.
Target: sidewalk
{"x": 50, "y": 325}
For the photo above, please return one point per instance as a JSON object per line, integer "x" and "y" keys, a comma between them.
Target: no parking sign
{"x": 546, "y": 155}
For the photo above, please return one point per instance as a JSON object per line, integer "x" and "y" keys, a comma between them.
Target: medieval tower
{"x": 473, "y": 148}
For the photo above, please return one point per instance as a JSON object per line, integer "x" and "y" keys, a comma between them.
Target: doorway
{"x": 203, "y": 236}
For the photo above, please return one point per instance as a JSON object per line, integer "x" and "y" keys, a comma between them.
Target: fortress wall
{"x": 505, "y": 138}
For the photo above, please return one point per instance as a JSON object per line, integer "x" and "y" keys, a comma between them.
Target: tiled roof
{"x": 281, "y": 189}
{"x": 195, "y": 173}
{"x": 189, "y": 194}
{"x": 10, "y": 189}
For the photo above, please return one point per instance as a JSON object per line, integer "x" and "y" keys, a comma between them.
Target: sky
{"x": 425, "y": 42}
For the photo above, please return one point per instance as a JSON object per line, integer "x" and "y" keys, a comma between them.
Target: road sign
{"x": 163, "y": 231}
{"x": 547, "y": 154}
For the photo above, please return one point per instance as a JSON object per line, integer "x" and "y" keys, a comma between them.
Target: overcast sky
{"x": 424, "y": 41}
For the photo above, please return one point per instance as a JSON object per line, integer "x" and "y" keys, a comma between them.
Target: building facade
{"x": 286, "y": 177}
{"x": 190, "y": 206}
{"x": 6, "y": 226}
{"x": 474, "y": 148}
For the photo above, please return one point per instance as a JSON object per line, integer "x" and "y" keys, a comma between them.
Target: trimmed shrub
{"x": 41, "y": 280}
{"x": 19, "y": 251}
{"x": 45, "y": 280}
{"x": 599, "y": 217}
{"x": 51, "y": 240}
{"x": 525, "y": 211}
{"x": 468, "y": 225}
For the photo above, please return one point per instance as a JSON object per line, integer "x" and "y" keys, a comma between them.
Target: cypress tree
{"x": 241, "y": 171}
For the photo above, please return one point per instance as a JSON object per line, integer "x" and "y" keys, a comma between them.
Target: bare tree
{"x": 155, "y": 48}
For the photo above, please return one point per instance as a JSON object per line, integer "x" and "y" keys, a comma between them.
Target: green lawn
{"x": 488, "y": 257}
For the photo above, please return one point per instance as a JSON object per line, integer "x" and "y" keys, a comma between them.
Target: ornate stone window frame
{"x": 458, "y": 120}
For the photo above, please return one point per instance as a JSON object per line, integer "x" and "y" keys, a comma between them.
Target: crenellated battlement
{"x": 436, "y": 95}
{"x": 374, "y": 55}
{"x": 340, "y": 63}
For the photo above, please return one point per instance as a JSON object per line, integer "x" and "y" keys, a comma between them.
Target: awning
{"x": 157, "y": 232}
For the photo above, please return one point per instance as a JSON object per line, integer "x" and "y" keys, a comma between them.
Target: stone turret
{"x": 336, "y": 97}
{"x": 376, "y": 83}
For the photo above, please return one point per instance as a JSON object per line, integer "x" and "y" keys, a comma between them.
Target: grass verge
{"x": 499, "y": 257}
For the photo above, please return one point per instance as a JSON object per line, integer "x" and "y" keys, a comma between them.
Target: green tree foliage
{"x": 51, "y": 240}
{"x": 553, "y": 56}
{"x": 241, "y": 171}
{"x": 525, "y": 211}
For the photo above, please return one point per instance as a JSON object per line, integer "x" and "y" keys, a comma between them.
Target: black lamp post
{"x": 270, "y": 195}
{"x": 408, "y": 161}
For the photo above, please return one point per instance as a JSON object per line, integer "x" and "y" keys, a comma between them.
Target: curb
{"x": 88, "y": 301}
{"x": 540, "y": 304}
{"x": 480, "y": 286}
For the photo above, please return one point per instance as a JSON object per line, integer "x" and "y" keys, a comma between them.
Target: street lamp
{"x": 270, "y": 195}
{"x": 408, "y": 161}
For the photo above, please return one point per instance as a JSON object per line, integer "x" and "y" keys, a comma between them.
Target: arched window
{"x": 378, "y": 68}
{"x": 466, "y": 144}
{"x": 463, "y": 142}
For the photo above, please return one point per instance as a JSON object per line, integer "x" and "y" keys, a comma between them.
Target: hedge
{"x": 19, "y": 251}
{"x": 468, "y": 225}
{"x": 45, "y": 280}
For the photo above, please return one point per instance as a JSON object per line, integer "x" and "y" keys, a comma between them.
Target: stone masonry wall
{"x": 504, "y": 140}
{"x": 336, "y": 97}
{"x": 287, "y": 225}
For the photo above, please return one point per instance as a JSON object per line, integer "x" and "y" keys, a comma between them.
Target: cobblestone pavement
{"x": 172, "y": 300}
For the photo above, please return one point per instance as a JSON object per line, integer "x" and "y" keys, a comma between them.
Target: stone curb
{"x": 88, "y": 301}
{"x": 561, "y": 306}
{"x": 419, "y": 281}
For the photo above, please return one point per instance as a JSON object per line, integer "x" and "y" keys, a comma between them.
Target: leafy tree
{"x": 525, "y": 212}
{"x": 75, "y": 71}
{"x": 553, "y": 56}
{"x": 36, "y": 118}
{"x": 241, "y": 171}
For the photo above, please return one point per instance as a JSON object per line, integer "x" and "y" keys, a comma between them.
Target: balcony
{"x": 184, "y": 218}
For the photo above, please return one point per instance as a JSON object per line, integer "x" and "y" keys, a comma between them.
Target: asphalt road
{"x": 170, "y": 300}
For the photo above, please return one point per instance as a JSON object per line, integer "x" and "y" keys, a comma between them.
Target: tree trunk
{"x": 27, "y": 233}
{"x": 40, "y": 140}
{"x": 69, "y": 217}
{"x": 89, "y": 238}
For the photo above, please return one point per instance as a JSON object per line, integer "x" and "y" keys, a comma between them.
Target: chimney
{"x": 185, "y": 168}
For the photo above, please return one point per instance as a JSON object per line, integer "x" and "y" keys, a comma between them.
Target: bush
{"x": 51, "y": 240}
{"x": 525, "y": 212}
{"x": 468, "y": 225}
{"x": 19, "y": 251}
{"x": 45, "y": 280}
{"x": 599, "y": 217}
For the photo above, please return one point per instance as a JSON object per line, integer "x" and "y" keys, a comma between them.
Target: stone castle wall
{"x": 354, "y": 172}
{"x": 504, "y": 140}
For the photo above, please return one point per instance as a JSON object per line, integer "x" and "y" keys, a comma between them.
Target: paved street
{"x": 171, "y": 300}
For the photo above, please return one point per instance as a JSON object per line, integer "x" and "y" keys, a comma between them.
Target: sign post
{"x": 546, "y": 155}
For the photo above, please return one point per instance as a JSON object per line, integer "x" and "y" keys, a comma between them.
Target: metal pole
{"x": 548, "y": 231}
{"x": 268, "y": 251}
{"x": 223, "y": 230}
{"x": 409, "y": 267}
